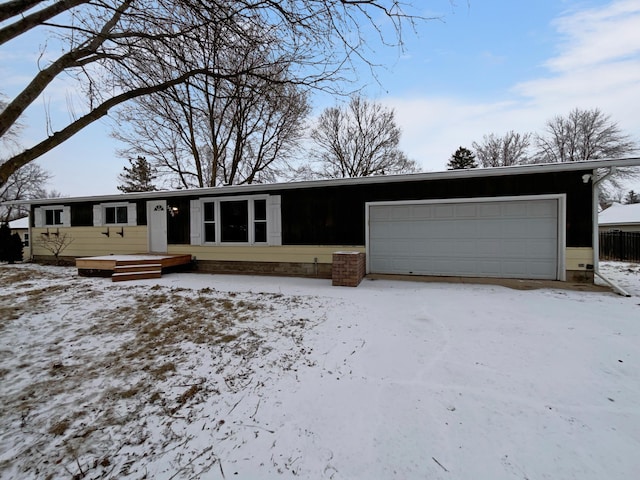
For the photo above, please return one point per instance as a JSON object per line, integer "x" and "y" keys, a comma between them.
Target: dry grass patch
{"x": 139, "y": 359}
{"x": 59, "y": 428}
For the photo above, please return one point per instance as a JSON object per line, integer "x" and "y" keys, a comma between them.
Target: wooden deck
{"x": 130, "y": 267}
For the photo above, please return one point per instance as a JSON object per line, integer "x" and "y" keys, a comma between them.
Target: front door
{"x": 157, "y": 225}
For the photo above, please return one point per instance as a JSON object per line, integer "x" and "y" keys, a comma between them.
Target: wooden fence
{"x": 623, "y": 246}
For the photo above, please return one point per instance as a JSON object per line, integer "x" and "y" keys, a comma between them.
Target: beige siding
{"x": 285, "y": 253}
{"x": 578, "y": 258}
{"x": 90, "y": 241}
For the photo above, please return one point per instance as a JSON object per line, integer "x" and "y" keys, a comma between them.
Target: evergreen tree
{"x": 10, "y": 245}
{"x": 462, "y": 159}
{"x": 138, "y": 177}
{"x": 632, "y": 197}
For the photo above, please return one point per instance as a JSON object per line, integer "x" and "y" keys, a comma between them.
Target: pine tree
{"x": 462, "y": 159}
{"x": 138, "y": 177}
{"x": 632, "y": 197}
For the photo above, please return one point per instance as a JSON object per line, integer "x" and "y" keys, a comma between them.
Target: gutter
{"x": 586, "y": 165}
{"x": 596, "y": 233}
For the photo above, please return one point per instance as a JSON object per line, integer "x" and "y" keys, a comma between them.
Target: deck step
{"x": 122, "y": 277}
{"x": 137, "y": 267}
{"x": 138, "y": 261}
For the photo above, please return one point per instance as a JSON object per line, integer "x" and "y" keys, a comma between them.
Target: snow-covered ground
{"x": 219, "y": 376}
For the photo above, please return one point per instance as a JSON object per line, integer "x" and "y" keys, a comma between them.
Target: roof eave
{"x": 414, "y": 177}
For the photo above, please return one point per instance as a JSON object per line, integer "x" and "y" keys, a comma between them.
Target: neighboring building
{"x": 530, "y": 222}
{"x": 21, "y": 227}
{"x": 618, "y": 217}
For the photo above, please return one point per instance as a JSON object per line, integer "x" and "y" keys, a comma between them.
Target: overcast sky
{"x": 483, "y": 67}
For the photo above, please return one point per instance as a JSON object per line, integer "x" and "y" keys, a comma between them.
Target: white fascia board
{"x": 412, "y": 177}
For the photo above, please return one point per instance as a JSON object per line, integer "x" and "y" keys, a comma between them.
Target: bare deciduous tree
{"x": 56, "y": 243}
{"x": 359, "y": 139}
{"x": 207, "y": 132}
{"x": 25, "y": 183}
{"x": 588, "y": 135}
{"x": 502, "y": 151}
{"x": 582, "y": 135}
{"x": 104, "y": 44}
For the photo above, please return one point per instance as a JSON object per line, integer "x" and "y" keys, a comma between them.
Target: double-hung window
{"x": 115, "y": 215}
{"x": 235, "y": 220}
{"x": 53, "y": 217}
{"x": 260, "y": 220}
{"x": 210, "y": 222}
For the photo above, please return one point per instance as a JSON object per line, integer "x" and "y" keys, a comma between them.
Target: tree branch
{"x": 44, "y": 77}
{"x": 16, "y": 7}
{"x": 17, "y": 161}
{"x": 37, "y": 18}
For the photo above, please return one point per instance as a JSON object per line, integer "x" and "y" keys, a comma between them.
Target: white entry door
{"x": 157, "y": 225}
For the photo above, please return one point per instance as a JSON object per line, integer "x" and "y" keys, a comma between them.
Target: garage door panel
{"x": 516, "y": 239}
{"x": 422, "y": 211}
{"x": 443, "y": 211}
{"x": 401, "y": 213}
{"x": 489, "y": 247}
{"x": 466, "y": 211}
{"x": 516, "y": 209}
{"x": 489, "y": 210}
{"x": 540, "y": 249}
{"x": 542, "y": 209}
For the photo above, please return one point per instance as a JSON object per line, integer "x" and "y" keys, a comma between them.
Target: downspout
{"x": 596, "y": 232}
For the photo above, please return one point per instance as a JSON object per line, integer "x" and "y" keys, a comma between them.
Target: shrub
{"x": 10, "y": 245}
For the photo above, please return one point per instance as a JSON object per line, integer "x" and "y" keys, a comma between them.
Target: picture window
{"x": 235, "y": 221}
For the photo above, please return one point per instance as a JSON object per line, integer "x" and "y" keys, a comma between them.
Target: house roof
{"x": 20, "y": 223}
{"x": 591, "y": 165}
{"x": 618, "y": 214}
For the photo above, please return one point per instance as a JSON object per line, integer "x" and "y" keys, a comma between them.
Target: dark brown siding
{"x": 82, "y": 214}
{"x": 178, "y": 223}
{"x": 141, "y": 212}
{"x": 335, "y": 216}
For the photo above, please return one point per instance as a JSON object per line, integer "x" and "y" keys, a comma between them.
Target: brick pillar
{"x": 348, "y": 269}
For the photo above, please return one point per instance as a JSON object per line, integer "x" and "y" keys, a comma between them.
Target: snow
{"x": 136, "y": 257}
{"x": 618, "y": 213}
{"x": 221, "y": 376}
{"x": 20, "y": 223}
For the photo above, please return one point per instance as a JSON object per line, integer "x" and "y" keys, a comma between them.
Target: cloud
{"x": 597, "y": 64}
{"x": 598, "y": 36}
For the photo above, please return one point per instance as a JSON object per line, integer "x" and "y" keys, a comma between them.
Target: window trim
{"x": 100, "y": 214}
{"x": 54, "y": 223}
{"x": 64, "y": 216}
{"x": 218, "y": 219}
{"x": 106, "y": 206}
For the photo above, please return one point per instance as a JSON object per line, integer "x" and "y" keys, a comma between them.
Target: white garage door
{"x": 505, "y": 239}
